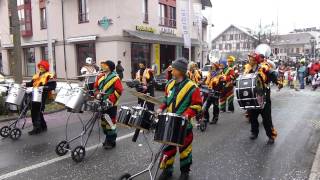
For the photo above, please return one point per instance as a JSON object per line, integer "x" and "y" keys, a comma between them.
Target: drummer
{"x": 258, "y": 63}
{"x": 194, "y": 74}
{"x": 109, "y": 83}
{"x": 213, "y": 81}
{"x": 47, "y": 80}
{"x": 182, "y": 97}
{"x": 146, "y": 79}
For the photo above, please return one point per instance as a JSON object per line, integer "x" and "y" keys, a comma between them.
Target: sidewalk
{"x": 315, "y": 170}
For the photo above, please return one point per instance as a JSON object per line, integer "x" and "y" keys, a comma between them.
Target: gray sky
{"x": 291, "y": 14}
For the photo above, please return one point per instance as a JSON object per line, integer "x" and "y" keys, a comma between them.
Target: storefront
{"x": 140, "y": 52}
{"x": 167, "y": 55}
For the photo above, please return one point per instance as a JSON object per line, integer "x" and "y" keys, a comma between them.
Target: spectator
{"x": 119, "y": 70}
{"x": 302, "y": 73}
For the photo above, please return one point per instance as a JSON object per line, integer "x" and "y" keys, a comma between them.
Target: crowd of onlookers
{"x": 298, "y": 75}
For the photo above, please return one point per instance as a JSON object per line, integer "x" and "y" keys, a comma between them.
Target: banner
{"x": 185, "y": 23}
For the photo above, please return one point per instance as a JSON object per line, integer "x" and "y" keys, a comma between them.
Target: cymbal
{"x": 146, "y": 97}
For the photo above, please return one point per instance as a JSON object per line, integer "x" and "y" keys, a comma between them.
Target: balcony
{"x": 167, "y": 22}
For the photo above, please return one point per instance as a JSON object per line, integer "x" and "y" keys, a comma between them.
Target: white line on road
{"x": 54, "y": 160}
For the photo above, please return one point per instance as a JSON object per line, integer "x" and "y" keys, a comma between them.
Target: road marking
{"x": 54, "y": 160}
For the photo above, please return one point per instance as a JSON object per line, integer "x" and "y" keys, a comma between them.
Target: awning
{"x": 157, "y": 38}
{"x": 81, "y": 39}
{"x": 33, "y": 43}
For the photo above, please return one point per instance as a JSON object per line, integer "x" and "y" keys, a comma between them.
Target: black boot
{"x": 253, "y": 136}
{"x": 35, "y": 131}
{"x": 184, "y": 175}
{"x": 108, "y": 144}
{"x": 214, "y": 120}
{"x": 165, "y": 175}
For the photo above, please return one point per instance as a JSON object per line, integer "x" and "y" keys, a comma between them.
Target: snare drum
{"x": 250, "y": 92}
{"x": 63, "y": 96}
{"x": 16, "y": 95}
{"x": 141, "y": 118}
{"x": 37, "y": 94}
{"x": 171, "y": 129}
{"x": 124, "y": 116}
{"x": 77, "y": 100}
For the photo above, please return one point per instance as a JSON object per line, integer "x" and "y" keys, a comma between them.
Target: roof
{"x": 245, "y": 30}
{"x": 294, "y": 38}
{"x": 206, "y": 3}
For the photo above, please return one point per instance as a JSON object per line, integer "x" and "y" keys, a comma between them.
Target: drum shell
{"x": 171, "y": 130}
{"x": 16, "y": 95}
{"x": 124, "y": 116}
{"x": 37, "y": 94}
{"x": 141, "y": 119}
{"x": 63, "y": 96}
{"x": 76, "y": 100}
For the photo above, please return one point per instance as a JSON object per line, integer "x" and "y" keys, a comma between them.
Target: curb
{"x": 45, "y": 113}
{"x": 315, "y": 170}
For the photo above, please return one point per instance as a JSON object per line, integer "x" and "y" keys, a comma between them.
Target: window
{"x": 139, "y": 51}
{"x": 230, "y": 46}
{"x": 83, "y": 11}
{"x": 231, "y": 37}
{"x": 25, "y": 17}
{"x": 167, "y": 15}
{"x": 298, "y": 50}
{"x": 145, "y": 11}
{"x": 220, "y": 47}
{"x": 244, "y": 45}
{"x": 214, "y": 46}
{"x": 238, "y": 46}
{"x": 45, "y": 55}
{"x": 236, "y": 36}
{"x": 243, "y": 36}
{"x": 43, "y": 18}
{"x": 281, "y": 50}
{"x": 226, "y": 47}
{"x": 223, "y": 37}
{"x": 30, "y": 61}
{"x": 83, "y": 51}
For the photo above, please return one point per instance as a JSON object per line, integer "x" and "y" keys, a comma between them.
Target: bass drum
{"x": 250, "y": 92}
{"x": 171, "y": 129}
{"x": 141, "y": 118}
{"x": 124, "y": 116}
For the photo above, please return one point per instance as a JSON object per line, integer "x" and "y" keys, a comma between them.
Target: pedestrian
{"x": 146, "y": 78}
{"x": 119, "y": 70}
{"x": 258, "y": 64}
{"x": 182, "y": 97}
{"x": 302, "y": 73}
{"x": 169, "y": 72}
{"x": 110, "y": 84}
{"x": 89, "y": 69}
{"x": 46, "y": 80}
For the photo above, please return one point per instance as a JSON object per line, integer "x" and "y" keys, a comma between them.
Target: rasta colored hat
{"x": 110, "y": 64}
{"x": 181, "y": 64}
{"x": 44, "y": 64}
{"x": 231, "y": 59}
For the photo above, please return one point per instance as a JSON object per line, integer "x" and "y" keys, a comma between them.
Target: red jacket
{"x": 315, "y": 67}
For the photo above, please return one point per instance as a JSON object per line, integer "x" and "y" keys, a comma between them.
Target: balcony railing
{"x": 168, "y": 22}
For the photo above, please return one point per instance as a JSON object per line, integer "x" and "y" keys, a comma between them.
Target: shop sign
{"x": 105, "y": 23}
{"x": 164, "y": 30}
{"x": 145, "y": 29}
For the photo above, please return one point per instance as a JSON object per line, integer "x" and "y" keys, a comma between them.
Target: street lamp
{"x": 313, "y": 46}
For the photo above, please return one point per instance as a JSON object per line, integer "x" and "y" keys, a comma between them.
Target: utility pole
{"x": 17, "y": 62}
{"x": 190, "y": 33}
{"x": 50, "y": 54}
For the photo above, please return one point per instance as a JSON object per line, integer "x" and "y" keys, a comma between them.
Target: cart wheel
{"x": 15, "y": 134}
{"x": 125, "y": 176}
{"x": 78, "y": 154}
{"x": 203, "y": 126}
{"x": 62, "y": 148}
{"x": 5, "y": 131}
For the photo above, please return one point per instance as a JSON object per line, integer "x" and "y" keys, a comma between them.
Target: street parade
{"x": 158, "y": 103}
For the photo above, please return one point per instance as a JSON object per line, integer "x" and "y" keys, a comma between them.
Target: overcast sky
{"x": 291, "y": 14}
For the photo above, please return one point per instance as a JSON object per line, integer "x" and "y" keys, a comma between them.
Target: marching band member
{"x": 213, "y": 81}
{"x": 146, "y": 78}
{"x": 182, "y": 97}
{"x": 47, "y": 80}
{"x": 258, "y": 64}
{"x": 194, "y": 74}
{"x": 229, "y": 77}
{"x": 110, "y": 84}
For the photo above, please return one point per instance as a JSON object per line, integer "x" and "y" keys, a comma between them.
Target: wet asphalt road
{"x": 224, "y": 151}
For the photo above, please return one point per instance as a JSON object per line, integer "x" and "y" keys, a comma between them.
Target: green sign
{"x": 105, "y": 23}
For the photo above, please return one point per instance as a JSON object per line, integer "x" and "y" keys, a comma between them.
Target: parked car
{"x": 205, "y": 71}
{"x": 161, "y": 81}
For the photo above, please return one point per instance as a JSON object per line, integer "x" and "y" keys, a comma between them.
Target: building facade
{"x": 127, "y": 31}
{"x": 235, "y": 41}
{"x": 295, "y": 45}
